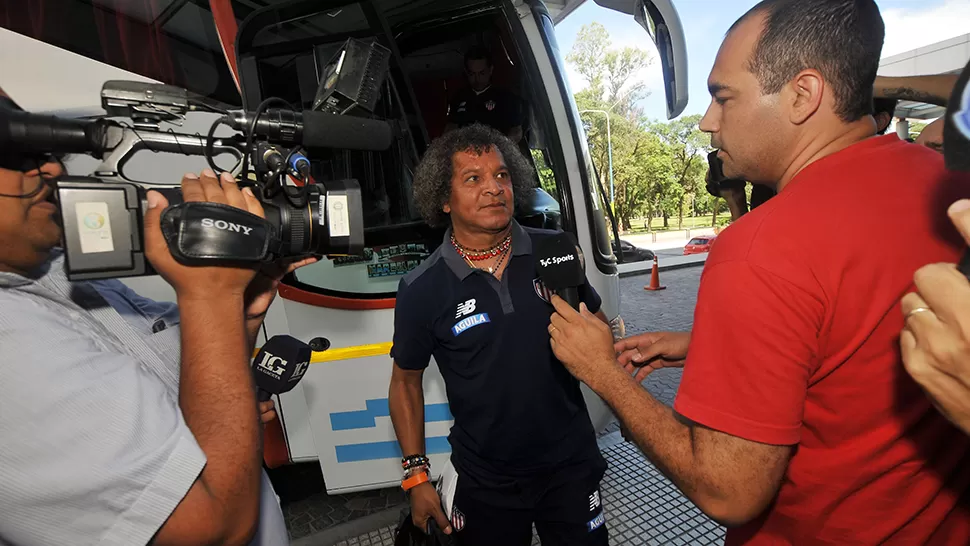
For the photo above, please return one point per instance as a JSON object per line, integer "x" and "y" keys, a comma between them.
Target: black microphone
{"x": 560, "y": 267}
{"x": 956, "y": 135}
{"x": 23, "y": 132}
{"x": 279, "y": 365}
{"x": 315, "y": 129}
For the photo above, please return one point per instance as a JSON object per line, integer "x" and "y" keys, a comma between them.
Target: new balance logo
{"x": 466, "y": 308}
{"x": 594, "y": 501}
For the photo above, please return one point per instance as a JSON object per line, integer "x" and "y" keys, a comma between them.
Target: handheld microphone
{"x": 560, "y": 266}
{"x": 956, "y": 136}
{"x": 279, "y": 365}
{"x": 316, "y": 129}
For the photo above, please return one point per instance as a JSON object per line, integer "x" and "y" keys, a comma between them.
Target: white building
{"x": 946, "y": 57}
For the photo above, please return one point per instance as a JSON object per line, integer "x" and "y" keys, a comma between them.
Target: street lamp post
{"x": 609, "y": 148}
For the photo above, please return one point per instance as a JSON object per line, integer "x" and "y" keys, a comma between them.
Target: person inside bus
{"x": 795, "y": 421}
{"x": 135, "y": 421}
{"x": 935, "y": 342}
{"x": 522, "y": 443}
{"x": 482, "y": 101}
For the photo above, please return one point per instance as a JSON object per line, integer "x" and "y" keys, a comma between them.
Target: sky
{"x": 909, "y": 24}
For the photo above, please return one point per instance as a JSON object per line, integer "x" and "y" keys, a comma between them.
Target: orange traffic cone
{"x": 654, "y": 277}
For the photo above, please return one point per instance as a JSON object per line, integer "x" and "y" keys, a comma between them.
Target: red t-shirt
{"x": 796, "y": 342}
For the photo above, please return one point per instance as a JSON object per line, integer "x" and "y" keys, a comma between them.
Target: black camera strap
{"x": 202, "y": 233}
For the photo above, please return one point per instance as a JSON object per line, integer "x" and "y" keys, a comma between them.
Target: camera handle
{"x": 123, "y": 142}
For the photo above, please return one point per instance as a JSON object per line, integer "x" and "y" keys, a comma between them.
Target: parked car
{"x": 699, "y": 245}
{"x": 632, "y": 253}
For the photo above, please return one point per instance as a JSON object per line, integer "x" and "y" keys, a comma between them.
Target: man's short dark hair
{"x": 842, "y": 39}
{"x": 477, "y": 53}
{"x": 432, "y": 179}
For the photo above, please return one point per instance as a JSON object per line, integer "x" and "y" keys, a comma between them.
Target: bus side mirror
{"x": 660, "y": 20}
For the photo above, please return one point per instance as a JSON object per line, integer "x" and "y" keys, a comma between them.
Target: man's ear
{"x": 447, "y": 208}
{"x": 806, "y": 90}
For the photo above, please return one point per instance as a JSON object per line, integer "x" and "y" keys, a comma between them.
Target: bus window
{"x": 600, "y": 227}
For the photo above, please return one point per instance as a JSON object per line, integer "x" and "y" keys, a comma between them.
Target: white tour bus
{"x": 56, "y": 54}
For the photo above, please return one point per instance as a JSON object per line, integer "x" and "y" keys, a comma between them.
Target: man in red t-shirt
{"x": 795, "y": 422}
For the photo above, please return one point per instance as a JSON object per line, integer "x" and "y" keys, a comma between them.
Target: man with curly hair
{"x": 522, "y": 444}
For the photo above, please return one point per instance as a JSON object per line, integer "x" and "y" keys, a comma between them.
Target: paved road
{"x": 307, "y": 507}
{"x": 669, "y": 252}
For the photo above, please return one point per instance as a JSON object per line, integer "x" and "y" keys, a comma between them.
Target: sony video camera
{"x": 102, "y": 215}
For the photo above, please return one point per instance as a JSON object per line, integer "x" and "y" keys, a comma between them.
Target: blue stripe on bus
{"x": 350, "y": 420}
{"x": 373, "y": 451}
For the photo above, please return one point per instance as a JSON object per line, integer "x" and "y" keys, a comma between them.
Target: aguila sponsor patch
{"x": 469, "y": 322}
{"x": 596, "y": 522}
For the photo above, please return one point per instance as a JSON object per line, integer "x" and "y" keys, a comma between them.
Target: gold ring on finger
{"x": 917, "y": 310}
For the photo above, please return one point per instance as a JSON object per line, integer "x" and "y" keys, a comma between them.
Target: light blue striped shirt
{"x": 93, "y": 445}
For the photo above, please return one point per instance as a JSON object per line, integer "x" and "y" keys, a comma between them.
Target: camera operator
{"x": 794, "y": 422}
{"x": 936, "y": 339}
{"x": 127, "y": 421}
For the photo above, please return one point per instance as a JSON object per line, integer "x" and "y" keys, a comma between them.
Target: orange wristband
{"x": 414, "y": 481}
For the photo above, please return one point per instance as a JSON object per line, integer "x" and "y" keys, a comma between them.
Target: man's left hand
{"x": 583, "y": 343}
{"x": 263, "y": 288}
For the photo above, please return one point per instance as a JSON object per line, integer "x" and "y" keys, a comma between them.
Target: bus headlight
{"x": 618, "y": 327}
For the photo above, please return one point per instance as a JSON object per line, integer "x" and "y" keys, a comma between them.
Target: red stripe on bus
{"x": 226, "y": 28}
{"x": 334, "y": 302}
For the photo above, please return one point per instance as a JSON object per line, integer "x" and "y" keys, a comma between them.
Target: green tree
{"x": 612, "y": 87}
{"x": 687, "y": 146}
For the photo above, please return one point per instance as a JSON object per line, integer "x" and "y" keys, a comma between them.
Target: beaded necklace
{"x": 501, "y": 251}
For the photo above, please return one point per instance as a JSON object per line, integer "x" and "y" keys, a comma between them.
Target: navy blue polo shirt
{"x": 517, "y": 410}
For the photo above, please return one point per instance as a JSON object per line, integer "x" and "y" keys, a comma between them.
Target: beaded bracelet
{"x": 414, "y": 460}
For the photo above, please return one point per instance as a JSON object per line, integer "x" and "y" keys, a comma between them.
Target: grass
{"x": 638, "y": 225}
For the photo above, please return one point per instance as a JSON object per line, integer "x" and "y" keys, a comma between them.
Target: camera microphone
{"x": 279, "y": 365}
{"x": 560, "y": 266}
{"x": 316, "y": 129}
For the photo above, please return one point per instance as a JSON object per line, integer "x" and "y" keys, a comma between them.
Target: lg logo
{"x": 273, "y": 364}
{"x": 300, "y": 370}
{"x": 226, "y": 226}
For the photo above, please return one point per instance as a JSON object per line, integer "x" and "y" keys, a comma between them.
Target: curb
{"x": 662, "y": 267}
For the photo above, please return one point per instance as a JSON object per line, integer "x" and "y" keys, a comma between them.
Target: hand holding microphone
{"x": 579, "y": 339}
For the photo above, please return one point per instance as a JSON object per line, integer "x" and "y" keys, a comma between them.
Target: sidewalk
{"x": 641, "y": 507}
{"x": 664, "y": 263}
